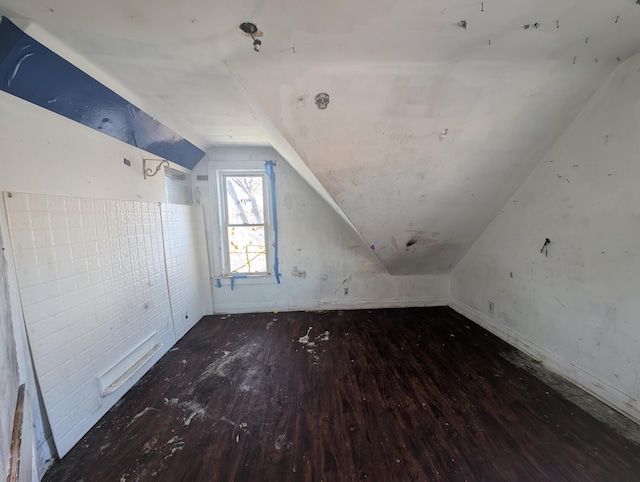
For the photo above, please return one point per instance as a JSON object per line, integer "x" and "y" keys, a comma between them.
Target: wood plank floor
{"x": 381, "y": 395}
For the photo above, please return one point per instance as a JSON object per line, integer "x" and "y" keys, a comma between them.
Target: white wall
{"x": 577, "y": 308}
{"x": 186, "y": 264}
{"x": 8, "y": 362}
{"x": 316, "y": 241}
{"x": 16, "y": 369}
{"x": 48, "y": 154}
{"x": 45, "y": 153}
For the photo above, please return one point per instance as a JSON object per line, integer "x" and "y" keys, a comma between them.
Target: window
{"x": 245, "y": 219}
{"x": 244, "y": 247}
{"x": 178, "y": 187}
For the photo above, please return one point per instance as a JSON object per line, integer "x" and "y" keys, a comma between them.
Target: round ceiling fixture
{"x": 322, "y": 100}
{"x": 248, "y": 28}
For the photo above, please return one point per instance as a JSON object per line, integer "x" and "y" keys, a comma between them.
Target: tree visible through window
{"x": 246, "y": 223}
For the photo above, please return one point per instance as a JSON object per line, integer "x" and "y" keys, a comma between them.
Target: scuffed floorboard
{"x": 382, "y": 395}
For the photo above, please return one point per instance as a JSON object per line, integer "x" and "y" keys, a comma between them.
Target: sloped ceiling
{"x": 431, "y": 126}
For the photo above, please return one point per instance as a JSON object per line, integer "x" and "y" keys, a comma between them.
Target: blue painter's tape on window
{"x": 235, "y": 276}
{"x": 269, "y": 169}
{"x": 32, "y": 72}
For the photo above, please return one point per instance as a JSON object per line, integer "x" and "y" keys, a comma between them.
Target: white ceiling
{"x": 430, "y": 128}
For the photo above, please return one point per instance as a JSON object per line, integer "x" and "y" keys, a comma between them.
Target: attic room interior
{"x": 387, "y": 240}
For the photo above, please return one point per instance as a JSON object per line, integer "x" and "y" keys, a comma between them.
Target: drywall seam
{"x": 266, "y": 306}
{"x": 603, "y": 391}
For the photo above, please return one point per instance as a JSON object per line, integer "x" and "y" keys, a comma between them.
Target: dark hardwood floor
{"x": 380, "y": 395}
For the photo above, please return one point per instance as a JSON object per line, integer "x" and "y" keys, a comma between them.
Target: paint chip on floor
{"x": 177, "y": 446}
{"x": 282, "y": 443}
{"x": 196, "y": 410}
{"x": 139, "y": 414}
{"x": 305, "y": 339}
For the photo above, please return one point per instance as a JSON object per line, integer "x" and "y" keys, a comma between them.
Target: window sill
{"x": 249, "y": 280}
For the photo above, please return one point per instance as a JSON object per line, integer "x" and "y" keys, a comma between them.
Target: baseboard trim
{"x": 314, "y": 305}
{"x": 600, "y": 389}
{"x": 46, "y": 454}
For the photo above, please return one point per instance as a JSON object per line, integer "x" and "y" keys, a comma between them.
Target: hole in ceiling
{"x": 413, "y": 240}
{"x": 248, "y": 28}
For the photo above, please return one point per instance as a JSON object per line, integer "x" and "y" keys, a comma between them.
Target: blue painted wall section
{"x": 31, "y": 71}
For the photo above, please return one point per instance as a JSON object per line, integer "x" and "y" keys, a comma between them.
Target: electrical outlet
{"x": 491, "y": 307}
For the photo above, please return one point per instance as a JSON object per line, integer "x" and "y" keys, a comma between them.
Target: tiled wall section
{"x": 187, "y": 265}
{"x": 93, "y": 285}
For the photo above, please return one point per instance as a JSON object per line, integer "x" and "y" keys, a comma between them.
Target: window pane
{"x": 244, "y": 200}
{"x": 247, "y": 250}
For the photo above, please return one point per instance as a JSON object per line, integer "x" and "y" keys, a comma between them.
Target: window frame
{"x": 248, "y": 169}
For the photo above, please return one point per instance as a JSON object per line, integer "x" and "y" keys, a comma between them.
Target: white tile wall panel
{"x": 93, "y": 284}
{"x": 187, "y": 265}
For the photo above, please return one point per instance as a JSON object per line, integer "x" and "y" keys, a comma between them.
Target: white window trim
{"x": 224, "y": 221}
{"x": 217, "y": 171}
